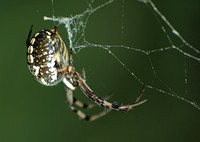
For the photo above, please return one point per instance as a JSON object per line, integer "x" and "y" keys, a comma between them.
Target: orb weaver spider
{"x": 49, "y": 63}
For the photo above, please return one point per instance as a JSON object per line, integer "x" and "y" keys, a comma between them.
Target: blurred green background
{"x": 30, "y": 112}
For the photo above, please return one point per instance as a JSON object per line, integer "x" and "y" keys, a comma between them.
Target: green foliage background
{"x": 30, "y": 112}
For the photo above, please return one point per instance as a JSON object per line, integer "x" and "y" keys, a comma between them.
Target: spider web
{"x": 176, "y": 44}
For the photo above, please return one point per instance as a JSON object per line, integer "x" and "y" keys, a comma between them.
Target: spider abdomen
{"x": 47, "y": 56}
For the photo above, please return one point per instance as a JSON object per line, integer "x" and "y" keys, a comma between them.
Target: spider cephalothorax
{"x": 48, "y": 62}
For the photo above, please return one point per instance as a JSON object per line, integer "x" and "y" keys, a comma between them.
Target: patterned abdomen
{"x": 47, "y": 57}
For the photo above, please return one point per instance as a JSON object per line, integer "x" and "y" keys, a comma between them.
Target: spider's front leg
{"x": 92, "y": 96}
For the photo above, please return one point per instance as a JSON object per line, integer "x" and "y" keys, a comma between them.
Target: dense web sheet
{"x": 76, "y": 25}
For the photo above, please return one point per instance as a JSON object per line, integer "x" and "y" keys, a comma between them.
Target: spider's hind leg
{"x": 83, "y": 105}
{"x": 82, "y": 115}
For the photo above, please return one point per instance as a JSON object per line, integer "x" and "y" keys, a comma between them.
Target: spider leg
{"x": 83, "y": 74}
{"x": 29, "y": 35}
{"x": 82, "y": 115}
{"x": 92, "y": 96}
{"x": 70, "y": 58}
{"x": 83, "y": 105}
{"x": 80, "y": 103}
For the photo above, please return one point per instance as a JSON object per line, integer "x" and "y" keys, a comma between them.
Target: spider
{"x": 49, "y": 63}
